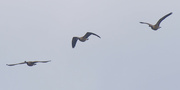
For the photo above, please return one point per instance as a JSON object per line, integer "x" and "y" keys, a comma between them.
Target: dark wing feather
{"x": 74, "y": 40}
{"x": 145, "y": 23}
{"x": 160, "y": 20}
{"x": 15, "y": 64}
{"x": 41, "y": 61}
{"x": 90, "y": 33}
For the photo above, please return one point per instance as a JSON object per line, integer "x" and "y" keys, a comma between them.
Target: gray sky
{"x": 129, "y": 56}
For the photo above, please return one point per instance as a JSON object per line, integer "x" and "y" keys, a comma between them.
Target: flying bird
{"x": 82, "y": 39}
{"x": 157, "y": 25}
{"x": 29, "y": 63}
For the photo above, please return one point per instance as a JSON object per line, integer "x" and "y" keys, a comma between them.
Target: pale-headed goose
{"x": 157, "y": 25}
{"x": 82, "y": 39}
{"x": 29, "y": 63}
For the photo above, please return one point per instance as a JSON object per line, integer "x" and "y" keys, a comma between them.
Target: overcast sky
{"x": 129, "y": 55}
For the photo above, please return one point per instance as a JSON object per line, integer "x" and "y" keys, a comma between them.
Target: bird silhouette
{"x": 157, "y": 25}
{"x": 82, "y": 39}
{"x": 29, "y": 63}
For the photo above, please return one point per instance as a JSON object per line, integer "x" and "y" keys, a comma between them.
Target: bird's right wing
{"x": 15, "y": 64}
{"x": 74, "y": 40}
{"x": 90, "y": 33}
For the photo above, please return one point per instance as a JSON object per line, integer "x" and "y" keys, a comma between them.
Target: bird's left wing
{"x": 160, "y": 20}
{"x": 15, "y": 64}
{"x": 41, "y": 61}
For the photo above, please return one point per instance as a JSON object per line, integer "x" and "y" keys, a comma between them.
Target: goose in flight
{"x": 29, "y": 63}
{"x": 157, "y": 25}
{"x": 82, "y": 39}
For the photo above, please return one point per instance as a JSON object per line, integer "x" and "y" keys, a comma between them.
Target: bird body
{"x": 157, "y": 25}
{"x": 82, "y": 39}
{"x": 29, "y": 63}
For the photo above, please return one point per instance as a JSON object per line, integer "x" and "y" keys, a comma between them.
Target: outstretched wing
{"x": 74, "y": 40}
{"x": 41, "y": 61}
{"x": 90, "y": 33}
{"x": 160, "y": 20}
{"x": 15, "y": 64}
{"x": 146, "y": 23}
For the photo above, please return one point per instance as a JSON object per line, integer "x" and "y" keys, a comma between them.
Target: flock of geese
{"x": 85, "y": 38}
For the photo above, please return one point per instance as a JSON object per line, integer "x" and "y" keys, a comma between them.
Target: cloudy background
{"x": 129, "y": 56}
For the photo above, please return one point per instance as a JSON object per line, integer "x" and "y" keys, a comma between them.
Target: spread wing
{"x": 90, "y": 33}
{"x": 160, "y": 20}
{"x": 74, "y": 40}
{"x": 146, "y": 23}
{"x": 15, "y": 64}
{"x": 41, "y": 61}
